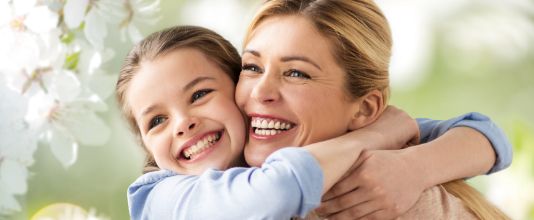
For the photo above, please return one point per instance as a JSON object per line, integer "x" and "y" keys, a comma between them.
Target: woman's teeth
{"x": 201, "y": 145}
{"x": 262, "y": 126}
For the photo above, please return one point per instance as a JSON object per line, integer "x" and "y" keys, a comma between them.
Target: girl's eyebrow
{"x": 148, "y": 110}
{"x": 196, "y": 81}
{"x": 186, "y": 87}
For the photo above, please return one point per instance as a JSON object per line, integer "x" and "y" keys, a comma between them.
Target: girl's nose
{"x": 186, "y": 125}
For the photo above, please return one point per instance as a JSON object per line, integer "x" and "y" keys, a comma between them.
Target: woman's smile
{"x": 264, "y": 127}
{"x": 293, "y": 91}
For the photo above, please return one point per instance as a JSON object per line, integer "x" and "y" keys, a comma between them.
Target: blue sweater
{"x": 288, "y": 184}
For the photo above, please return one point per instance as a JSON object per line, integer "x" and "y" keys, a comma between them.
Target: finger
{"x": 349, "y": 181}
{"x": 357, "y": 211}
{"x": 343, "y": 202}
{"x": 340, "y": 188}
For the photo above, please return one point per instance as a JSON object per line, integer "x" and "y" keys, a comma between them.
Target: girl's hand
{"x": 382, "y": 186}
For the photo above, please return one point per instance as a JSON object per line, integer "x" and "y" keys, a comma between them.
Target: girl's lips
{"x": 203, "y": 152}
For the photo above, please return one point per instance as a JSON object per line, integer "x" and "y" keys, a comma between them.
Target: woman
{"x": 305, "y": 63}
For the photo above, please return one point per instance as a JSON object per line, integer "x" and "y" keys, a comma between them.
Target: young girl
{"x": 177, "y": 91}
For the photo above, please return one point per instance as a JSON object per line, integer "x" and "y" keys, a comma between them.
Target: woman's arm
{"x": 463, "y": 151}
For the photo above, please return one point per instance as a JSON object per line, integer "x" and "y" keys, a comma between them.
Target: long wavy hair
{"x": 362, "y": 43}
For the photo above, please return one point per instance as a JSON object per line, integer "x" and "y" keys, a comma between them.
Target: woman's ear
{"x": 371, "y": 105}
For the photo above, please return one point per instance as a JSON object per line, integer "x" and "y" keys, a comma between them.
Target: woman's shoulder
{"x": 437, "y": 203}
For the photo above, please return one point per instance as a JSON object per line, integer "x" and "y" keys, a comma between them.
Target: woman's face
{"x": 291, "y": 88}
{"x": 184, "y": 106}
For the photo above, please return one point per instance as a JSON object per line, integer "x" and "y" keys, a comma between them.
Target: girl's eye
{"x": 251, "y": 67}
{"x": 199, "y": 94}
{"x": 156, "y": 121}
{"x": 297, "y": 74}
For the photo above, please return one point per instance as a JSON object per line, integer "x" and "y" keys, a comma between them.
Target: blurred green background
{"x": 449, "y": 58}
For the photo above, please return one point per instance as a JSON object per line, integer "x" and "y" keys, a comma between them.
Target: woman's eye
{"x": 156, "y": 121}
{"x": 199, "y": 94}
{"x": 251, "y": 67}
{"x": 297, "y": 74}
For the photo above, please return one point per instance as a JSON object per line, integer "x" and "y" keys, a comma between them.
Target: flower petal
{"x": 5, "y": 13}
{"x": 74, "y": 12}
{"x": 18, "y": 51}
{"x": 41, "y": 19}
{"x": 39, "y": 107}
{"x": 65, "y": 86}
{"x": 87, "y": 128}
{"x": 23, "y": 7}
{"x": 95, "y": 29}
{"x": 63, "y": 146}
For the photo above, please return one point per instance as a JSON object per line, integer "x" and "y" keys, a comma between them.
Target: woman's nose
{"x": 267, "y": 89}
{"x": 186, "y": 125}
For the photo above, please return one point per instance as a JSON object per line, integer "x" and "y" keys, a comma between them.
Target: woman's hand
{"x": 382, "y": 186}
{"x": 395, "y": 129}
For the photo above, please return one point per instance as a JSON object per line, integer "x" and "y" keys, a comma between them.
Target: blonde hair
{"x": 473, "y": 200}
{"x": 211, "y": 44}
{"x": 358, "y": 30}
{"x": 362, "y": 46}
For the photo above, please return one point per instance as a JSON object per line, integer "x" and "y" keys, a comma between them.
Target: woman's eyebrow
{"x": 300, "y": 58}
{"x": 253, "y": 52}
{"x": 287, "y": 58}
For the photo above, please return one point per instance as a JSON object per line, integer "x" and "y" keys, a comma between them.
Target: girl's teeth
{"x": 201, "y": 145}
{"x": 277, "y": 125}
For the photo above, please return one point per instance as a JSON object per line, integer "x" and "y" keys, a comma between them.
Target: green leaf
{"x": 72, "y": 61}
{"x": 67, "y": 38}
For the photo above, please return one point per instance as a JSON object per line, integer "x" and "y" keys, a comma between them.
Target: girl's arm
{"x": 289, "y": 183}
{"x": 467, "y": 145}
{"x": 493, "y": 151}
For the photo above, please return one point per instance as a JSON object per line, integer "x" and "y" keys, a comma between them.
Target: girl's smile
{"x": 184, "y": 106}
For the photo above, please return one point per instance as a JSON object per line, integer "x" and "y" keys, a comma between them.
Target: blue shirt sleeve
{"x": 288, "y": 184}
{"x": 431, "y": 129}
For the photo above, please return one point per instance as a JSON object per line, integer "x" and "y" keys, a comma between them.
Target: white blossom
{"x": 74, "y": 12}
{"x": 138, "y": 11}
{"x": 17, "y": 145}
{"x": 52, "y": 85}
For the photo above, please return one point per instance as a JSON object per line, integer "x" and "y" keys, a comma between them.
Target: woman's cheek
{"x": 244, "y": 87}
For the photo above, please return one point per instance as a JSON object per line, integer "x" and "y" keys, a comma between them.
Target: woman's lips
{"x": 199, "y": 147}
{"x": 265, "y": 127}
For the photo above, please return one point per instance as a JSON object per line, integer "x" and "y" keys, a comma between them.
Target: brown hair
{"x": 358, "y": 30}
{"x": 215, "y": 47}
{"x": 362, "y": 46}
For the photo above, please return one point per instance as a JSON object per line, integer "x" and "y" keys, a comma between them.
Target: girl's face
{"x": 291, "y": 87}
{"x": 184, "y": 106}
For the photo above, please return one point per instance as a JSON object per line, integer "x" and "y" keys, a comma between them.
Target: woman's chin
{"x": 256, "y": 155}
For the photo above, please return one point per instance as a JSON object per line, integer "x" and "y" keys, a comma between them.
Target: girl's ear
{"x": 368, "y": 108}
